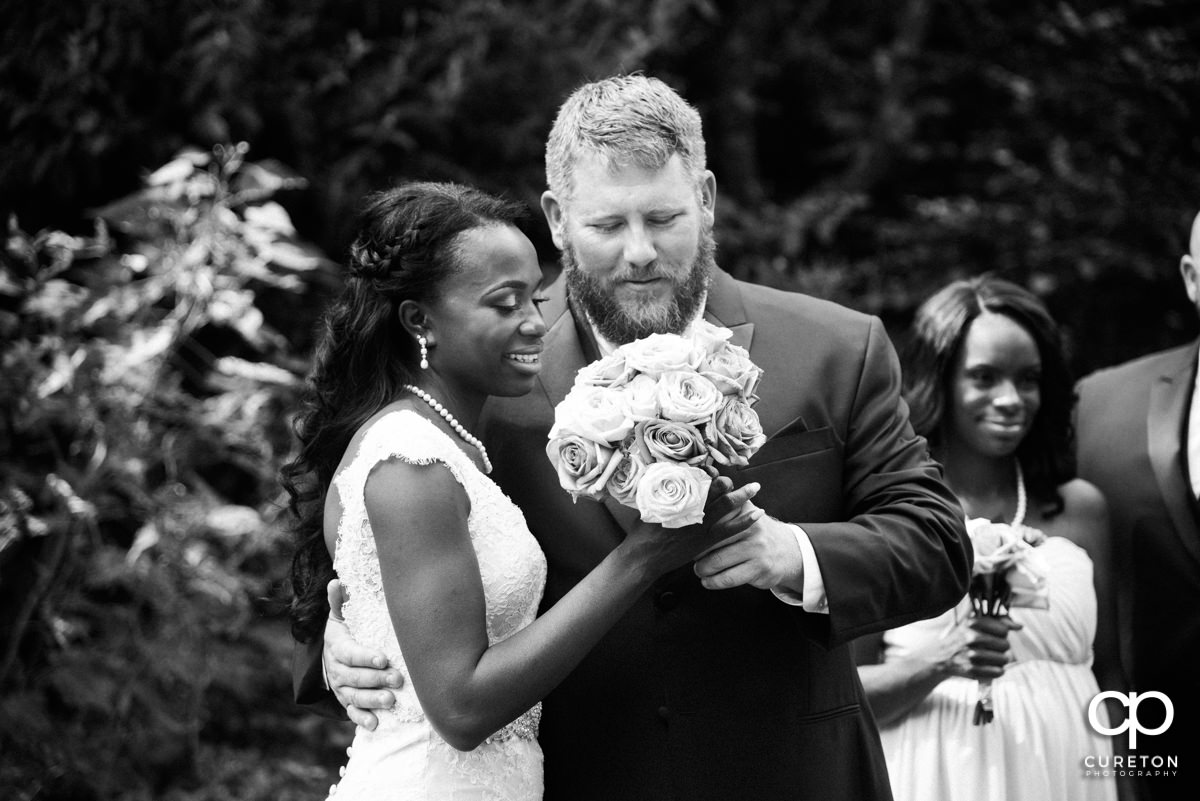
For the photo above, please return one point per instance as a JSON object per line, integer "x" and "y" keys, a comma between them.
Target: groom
{"x": 732, "y": 678}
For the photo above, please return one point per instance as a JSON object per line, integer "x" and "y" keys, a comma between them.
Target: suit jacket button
{"x": 666, "y": 600}
{"x": 663, "y": 712}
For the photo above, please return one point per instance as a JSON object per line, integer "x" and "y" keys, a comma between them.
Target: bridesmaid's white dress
{"x": 1034, "y": 749}
{"x": 404, "y": 758}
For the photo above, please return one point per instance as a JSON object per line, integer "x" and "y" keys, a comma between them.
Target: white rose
{"x": 641, "y": 393}
{"x": 735, "y": 433}
{"x": 670, "y": 441}
{"x": 583, "y": 466}
{"x": 623, "y": 483}
{"x": 672, "y": 495}
{"x": 608, "y": 371}
{"x": 598, "y": 413}
{"x": 688, "y": 397}
{"x": 730, "y": 368}
{"x": 995, "y": 544}
{"x": 708, "y": 337}
{"x": 660, "y": 353}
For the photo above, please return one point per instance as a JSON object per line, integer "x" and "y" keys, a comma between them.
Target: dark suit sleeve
{"x": 308, "y": 685}
{"x": 903, "y": 553}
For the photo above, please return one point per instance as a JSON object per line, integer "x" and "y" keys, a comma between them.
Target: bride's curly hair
{"x": 937, "y": 336}
{"x": 404, "y": 250}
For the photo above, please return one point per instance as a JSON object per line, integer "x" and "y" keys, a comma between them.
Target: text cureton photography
{"x": 1140, "y": 765}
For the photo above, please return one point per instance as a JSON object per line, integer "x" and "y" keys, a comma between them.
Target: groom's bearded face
{"x": 621, "y": 319}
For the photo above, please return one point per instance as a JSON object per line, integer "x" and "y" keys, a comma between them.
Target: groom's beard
{"x": 624, "y": 322}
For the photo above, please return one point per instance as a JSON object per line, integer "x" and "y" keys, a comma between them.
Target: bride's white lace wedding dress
{"x": 404, "y": 758}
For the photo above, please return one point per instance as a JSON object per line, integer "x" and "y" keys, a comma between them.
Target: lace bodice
{"x": 513, "y": 573}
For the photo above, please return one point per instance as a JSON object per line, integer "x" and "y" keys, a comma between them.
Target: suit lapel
{"x": 567, "y": 350}
{"x": 725, "y": 308}
{"x": 1169, "y": 396}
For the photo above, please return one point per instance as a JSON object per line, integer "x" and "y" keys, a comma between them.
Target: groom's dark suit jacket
{"x": 1131, "y": 428}
{"x": 699, "y": 694}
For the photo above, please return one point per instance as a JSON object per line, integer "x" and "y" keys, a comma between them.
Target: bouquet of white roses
{"x": 1007, "y": 573}
{"x": 648, "y": 423}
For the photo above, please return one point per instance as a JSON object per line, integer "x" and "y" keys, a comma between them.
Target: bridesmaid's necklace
{"x": 1019, "y": 517}
{"x": 470, "y": 438}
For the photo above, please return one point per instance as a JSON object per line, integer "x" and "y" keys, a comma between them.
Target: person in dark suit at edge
{"x": 1138, "y": 440}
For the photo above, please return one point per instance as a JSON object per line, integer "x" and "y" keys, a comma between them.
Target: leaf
{"x": 62, "y": 373}
{"x": 259, "y": 372}
{"x": 292, "y": 257}
{"x": 271, "y": 217}
{"x": 146, "y": 538}
{"x": 145, "y": 347}
{"x": 172, "y": 172}
{"x": 56, "y": 301}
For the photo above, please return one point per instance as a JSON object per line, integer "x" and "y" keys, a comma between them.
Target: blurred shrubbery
{"x": 148, "y": 375}
{"x": 865, "y": 152}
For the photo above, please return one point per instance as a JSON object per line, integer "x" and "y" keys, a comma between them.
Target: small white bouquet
{"x": 1007, "y": 573}
{"x": 649, "y": 423}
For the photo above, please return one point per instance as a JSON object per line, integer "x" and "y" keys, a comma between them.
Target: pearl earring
{"x": 424, "y": 353}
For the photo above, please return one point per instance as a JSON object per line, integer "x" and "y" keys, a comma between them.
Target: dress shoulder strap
{"x": 401, "y": 434}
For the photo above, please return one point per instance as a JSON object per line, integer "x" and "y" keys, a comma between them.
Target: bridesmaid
{"x": 987, "y": 382}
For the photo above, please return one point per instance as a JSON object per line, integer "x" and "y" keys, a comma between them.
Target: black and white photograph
{"x": 663, "y": 400}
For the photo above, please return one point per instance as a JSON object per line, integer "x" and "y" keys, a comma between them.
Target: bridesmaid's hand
{"x": 984, "y": 650}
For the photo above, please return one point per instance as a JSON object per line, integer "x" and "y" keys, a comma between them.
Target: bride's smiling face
{"x": 485, "y": 329}
{"x": 995, "y": 387}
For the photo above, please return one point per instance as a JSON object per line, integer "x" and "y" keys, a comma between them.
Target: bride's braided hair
{"x": 404, "y": 249}
{"x": 374, "y": 260}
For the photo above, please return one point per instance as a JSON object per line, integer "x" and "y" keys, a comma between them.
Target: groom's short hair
{"x": 626, "y": 120}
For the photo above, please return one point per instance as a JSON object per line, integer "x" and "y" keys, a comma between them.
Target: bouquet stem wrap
{"x": 990, "y": 596}
{"x": 1007, "y": 572}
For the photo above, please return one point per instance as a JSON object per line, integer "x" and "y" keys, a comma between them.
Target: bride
{"x": 391, "y": 492}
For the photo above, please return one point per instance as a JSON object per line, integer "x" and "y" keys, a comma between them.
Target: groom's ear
{"x": 555, "y": 218}
{"x": 1191, "y": 278}
{"x": 708, "y": 196}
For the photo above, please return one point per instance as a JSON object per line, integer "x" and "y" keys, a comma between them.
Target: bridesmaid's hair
{"x": 939, "y": 328}
{"x": 406, "y": 246}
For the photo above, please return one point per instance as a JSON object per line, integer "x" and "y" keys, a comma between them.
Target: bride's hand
{"x": 727, "y": 512}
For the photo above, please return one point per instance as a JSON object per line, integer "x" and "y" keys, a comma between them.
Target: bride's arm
{"x": 435, "y": 598}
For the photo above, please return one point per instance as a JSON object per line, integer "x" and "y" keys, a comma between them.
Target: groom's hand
{"x": 354, "y": 672}
{"x": 765, "y": 555}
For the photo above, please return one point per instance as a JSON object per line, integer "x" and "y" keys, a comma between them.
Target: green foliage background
{"x": 159, "y": 287}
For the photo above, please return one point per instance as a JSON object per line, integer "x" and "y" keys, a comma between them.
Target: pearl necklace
{"x": 1019, "y": 517}
{"x": 458, "y": 427}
